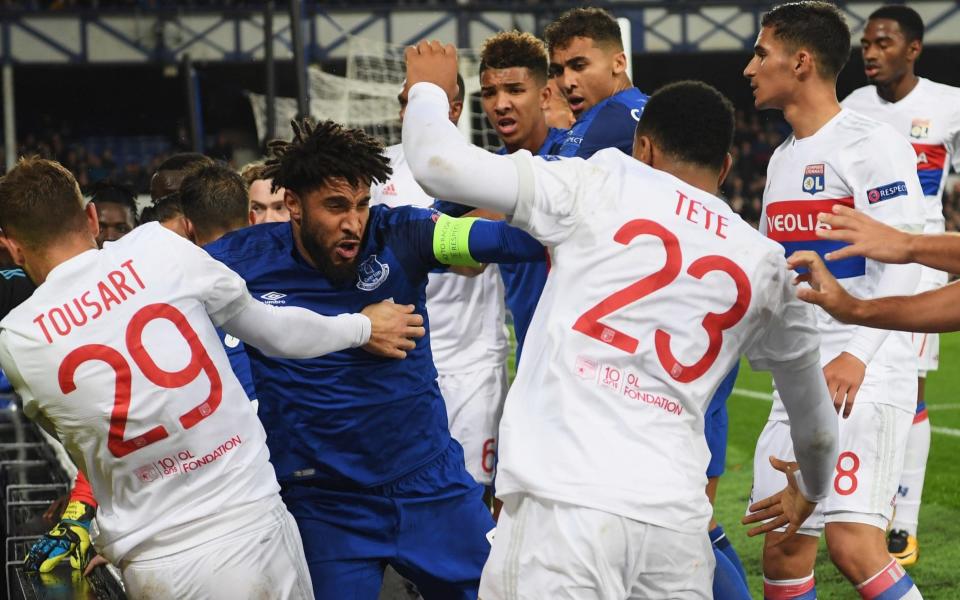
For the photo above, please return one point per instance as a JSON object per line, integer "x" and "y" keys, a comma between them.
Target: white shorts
{"x": 544, "y": 549}
{"x": 474, "y": 404}
{"x": 871, "y": 449}
{"x": 927, "y": 345}
{"x": 263, "y": 559}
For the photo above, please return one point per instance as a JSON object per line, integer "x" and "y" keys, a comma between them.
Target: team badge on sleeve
{"x": 813, "y": 178}
{"x": 886, "y": 192}
{"x": 920, "y": 128}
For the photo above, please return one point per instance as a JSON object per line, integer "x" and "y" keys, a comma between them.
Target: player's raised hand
{"x": 866, "y": 236}
{"x": 824, "y": 291}
{"x": 394, "y": 329}
{"x": 787, "y": 508}
{"x": 432, "y": 62}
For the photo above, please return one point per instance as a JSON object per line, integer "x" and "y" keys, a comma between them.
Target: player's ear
{"x": 545, "y": 94}
{"x": 456, "y": 107}
{"x": 725, "y": 169}
{"x": 619, "y": 63}
{"x": 803, "y": 64}
{"x": 14, "y": 248}
{"x": 914, "y": 49}
{"x": 294, "y": 206}
{"x": 643, "y": 149}
{"x": 190, "y": 230}
{"x": 93, "y": 221}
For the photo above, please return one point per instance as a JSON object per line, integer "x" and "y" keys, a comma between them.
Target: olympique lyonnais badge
{"x": 813, "y": 178}
{"x": 920, "y": 128}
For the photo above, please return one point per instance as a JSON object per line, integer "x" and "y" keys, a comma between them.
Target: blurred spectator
{"x": 756, "y": 136}
{"x": 265, "y": 206}
{"x": 754, "y": 142}
{"x": 116, "y": 210}
{"x": 165, "y": 185}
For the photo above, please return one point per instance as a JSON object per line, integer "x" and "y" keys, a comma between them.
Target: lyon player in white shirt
{"x": 656, "y": 288}
{"x": 836, "y": 156}
{"x": 468, "y": 337}
{"x": 928, "y": 115}
{"x": 115, "y": 354}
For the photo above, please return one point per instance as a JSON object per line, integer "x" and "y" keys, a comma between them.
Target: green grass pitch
{"x": 937, "y": 573}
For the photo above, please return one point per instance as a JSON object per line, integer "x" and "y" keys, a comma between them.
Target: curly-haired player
{"x": 360, "y": 444}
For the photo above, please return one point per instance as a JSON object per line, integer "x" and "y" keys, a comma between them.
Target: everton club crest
{"x": 372, "y": 273}
{"x": 813, "y": 179}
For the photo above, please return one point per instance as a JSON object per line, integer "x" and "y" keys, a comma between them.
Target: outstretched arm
{"x": 813, "y": 430}
{"x": 873, "y": 239}
{"x": 930, "y": 312}
{"x": 813, "y": 422}
{"x": 385, "y": 328}
{"x": 470, "y": 242}
{"x": 442, "y": 161}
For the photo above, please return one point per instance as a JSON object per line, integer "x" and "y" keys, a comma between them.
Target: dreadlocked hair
{"x": 322, "y": 151}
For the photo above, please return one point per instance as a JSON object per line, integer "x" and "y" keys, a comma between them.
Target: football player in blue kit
{"x": 365, "y": 491}
{"x": 588, "y": 63}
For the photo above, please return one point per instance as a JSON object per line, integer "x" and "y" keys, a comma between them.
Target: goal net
{"x": 366, "y": 97}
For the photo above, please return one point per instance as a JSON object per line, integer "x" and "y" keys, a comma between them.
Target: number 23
{"x": 713, "y": 323}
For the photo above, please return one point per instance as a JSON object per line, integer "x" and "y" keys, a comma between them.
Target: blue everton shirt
{"x": 352, "y": 419}
{"x": 523, "y": 282}
{"x": 239, "y": 361}
{"x": 608, "y": 124}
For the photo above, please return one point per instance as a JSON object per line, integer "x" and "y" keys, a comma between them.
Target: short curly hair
{"x": 691, "y": 121}
{"x": 509, "y": 49}
{"x": 594, "y": 23}
{"x": 323, "y": 151}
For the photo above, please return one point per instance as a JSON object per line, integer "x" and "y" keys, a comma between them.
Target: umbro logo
{"x": 273, "y": 297}
{"x": 9, "y": 274}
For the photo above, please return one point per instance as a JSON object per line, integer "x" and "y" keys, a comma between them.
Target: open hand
{"x": 394, "y": 329}
{"x": 787, "y": 508}
{"x": 824, "y": 291}
{"x": 866, "y": 236}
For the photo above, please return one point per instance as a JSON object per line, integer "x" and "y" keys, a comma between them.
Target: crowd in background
{"x": 97, "y": 159}
{"x": 757, "y": 135}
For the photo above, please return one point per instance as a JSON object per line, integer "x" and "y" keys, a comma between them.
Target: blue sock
{"x": 720, "y": 542}
{"x": 727, "y": 584}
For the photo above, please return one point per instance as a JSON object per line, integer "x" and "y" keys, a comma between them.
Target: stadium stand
{"x": 31, "y": 477}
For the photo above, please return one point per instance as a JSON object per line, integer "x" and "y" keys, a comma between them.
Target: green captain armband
{"x": 451, "y": 241}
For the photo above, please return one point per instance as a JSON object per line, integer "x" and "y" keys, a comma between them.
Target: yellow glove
{"x": 70, "y": 537}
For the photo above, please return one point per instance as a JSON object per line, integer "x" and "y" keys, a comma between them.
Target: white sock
{"x": 911, "y": 480}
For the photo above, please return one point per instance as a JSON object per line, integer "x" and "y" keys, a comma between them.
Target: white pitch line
{"x": 752, "y": 394}
{"x": 946, "y": 431}
{"x": 941, "y": 430}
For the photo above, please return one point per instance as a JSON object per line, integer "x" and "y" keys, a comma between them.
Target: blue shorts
{"x": 430, "y": 525}
{"x": 715, "y": 424}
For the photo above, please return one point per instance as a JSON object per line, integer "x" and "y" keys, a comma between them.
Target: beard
{"x": 339, "y": 274}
